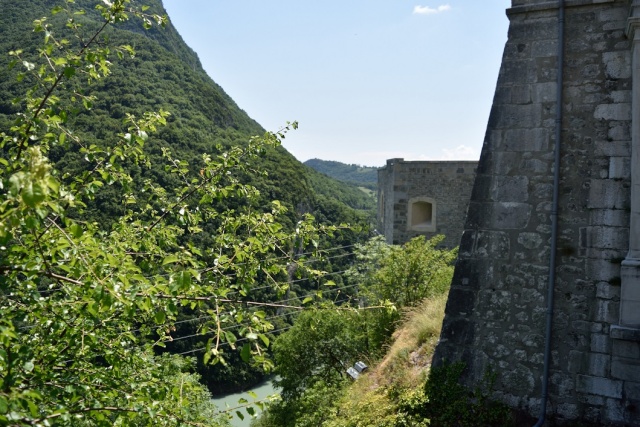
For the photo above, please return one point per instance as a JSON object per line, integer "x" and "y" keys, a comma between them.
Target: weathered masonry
{"x": 424, "y": 198}
{"x": 546, "y": 290}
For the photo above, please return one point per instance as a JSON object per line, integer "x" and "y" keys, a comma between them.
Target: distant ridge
{"x": 361, "y": 176}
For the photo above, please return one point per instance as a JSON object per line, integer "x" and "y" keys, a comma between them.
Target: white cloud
{"x": 426, "y": 10}
{"x": 461, "y": 152}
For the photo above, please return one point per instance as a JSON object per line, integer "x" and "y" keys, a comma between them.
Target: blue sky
{"x": 366, "y": 80}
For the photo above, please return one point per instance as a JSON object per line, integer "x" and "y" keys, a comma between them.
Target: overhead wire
{"x": 231, "y": 275}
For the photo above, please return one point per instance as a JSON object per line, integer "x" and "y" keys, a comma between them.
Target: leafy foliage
{"x": 401, "y": 275}
{"x": 313, "y": 356}
{"x": 84, "y": 304}
{"x": 319, "y": 347}
{"x": 85, "y": 114}
{"x": 409, "y": 273}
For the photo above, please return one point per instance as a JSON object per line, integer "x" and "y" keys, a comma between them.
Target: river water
{"x": 231, "y": 401}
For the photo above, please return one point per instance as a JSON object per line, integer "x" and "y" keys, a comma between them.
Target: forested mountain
{"x": 165, "y": 74}
{"x": 361, "y": 176}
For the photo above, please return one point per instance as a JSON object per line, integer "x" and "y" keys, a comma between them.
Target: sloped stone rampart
{"x": 495, "y": 317}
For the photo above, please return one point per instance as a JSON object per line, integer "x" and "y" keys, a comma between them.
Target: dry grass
{"x": 409, "y": 357}
{"x": 369, "y": 401}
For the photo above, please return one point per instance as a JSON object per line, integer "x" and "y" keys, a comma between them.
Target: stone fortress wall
{"x": 424, "y": 198}
{"x": 499, "y": 304}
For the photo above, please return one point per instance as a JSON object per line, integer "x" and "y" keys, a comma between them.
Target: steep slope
{"x": 164, "y": 74}
{"x": 361, "y": 176}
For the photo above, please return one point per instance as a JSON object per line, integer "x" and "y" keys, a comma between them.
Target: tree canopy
{"x": 84, "y": 301}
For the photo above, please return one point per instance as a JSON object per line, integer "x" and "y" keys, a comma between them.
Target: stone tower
{"x": 424, "y": 198}
{"x": 546, "y": 290}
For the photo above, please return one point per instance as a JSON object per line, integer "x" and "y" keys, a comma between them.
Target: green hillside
{"x": 361, "y": 176}
{"x": 165, "y": 74}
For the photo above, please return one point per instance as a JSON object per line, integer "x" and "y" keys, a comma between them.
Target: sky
{"x": 367, "y": 80}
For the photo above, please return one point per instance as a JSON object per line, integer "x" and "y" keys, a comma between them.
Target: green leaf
{"x": 160, "y": 316}
{"x": 230, "y": 337}
{"x": 76, "y": 230}
{"x": 4, "y": 405}
{"x": 264, "y": 339}
{"x": 245, "y": 353}
{"x": 170, "y": 259}
{"x": 32, "y": 194}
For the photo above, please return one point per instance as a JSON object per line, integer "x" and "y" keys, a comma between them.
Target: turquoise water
{"x": 231, "y": 401}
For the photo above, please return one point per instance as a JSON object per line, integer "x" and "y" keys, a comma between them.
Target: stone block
{"x": 613, "y": 411}
{"x": 510, "y": 215}
{"x": 624, "y": 348}
{"x": 492, "y": 244}
{"x": 617, "y": 65}
{"x": 630, "y": 294}
{"x": 459, "y": 332}
{"x": 599, "y": 364}
{"x": 607, "y": 311}
{"x": 625, "y": 369}
{"x": 608, "y": 237}
{"x": 530, "y": 240}
{"x": 632, "y": 390}
{"x": 568, "y": 411}
{"x": 460, "y": 302}
{"x": 608, "y": 194}
{"x": 605, "y": 290}
{"x": 613, "y": 14}
{"x": 620, "y": 96}
{"x": 599, "y": 386}
{"x": 521, "y": 94}
{"x": 544, "y": 92}
{"x": 609, "y": 217}
{"x": 576, "y": 361}
{"x": 510, "y": 189}
{"x": 619, "y": 168}
{"x": 603, "y": 270}
{"x": 600, "y": 343}
{"x": 512, "y": 71}
{"x": 619, "y": 145}
{"x": 535, "y": 167}
{"x": 613, "y": 112}
{"x": 505, "y": 163}
{"x": 525, "y": 140}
